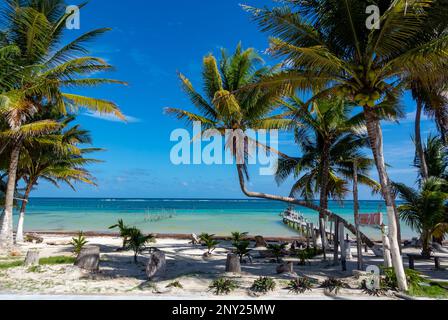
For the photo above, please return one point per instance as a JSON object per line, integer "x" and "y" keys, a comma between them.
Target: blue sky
{"x": 150, "y": 42}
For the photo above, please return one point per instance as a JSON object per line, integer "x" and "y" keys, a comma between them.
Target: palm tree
{"x": 329, "y": 139}
{"x": 224, "y": 107}
{"x": 327, "y": 46}
{"x": 424, "y": 210}
{"x": 35, "y": 28}
{"x": 227, "y": 105}
{"x": 55, "y": 158}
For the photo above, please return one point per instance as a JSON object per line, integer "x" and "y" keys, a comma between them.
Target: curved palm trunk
{"x": 376, "y": 144}
{"x": 19, "y": 233}
{"x": 304, "y": 204}
{"x": 6, "y": 219}
{"x": 418, "y": 142}
{"x": 324, "y": 195}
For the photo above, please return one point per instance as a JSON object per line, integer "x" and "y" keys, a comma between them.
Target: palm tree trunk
{"x": 418, "y": 142}
{"x": 324, "y": 195}
{"x": 19, "y": 233}
{"x": 309, "y": 205}
{"x": 356, "y": 213}
{"x": 6, "y": 219}
{"x": 376, "y": 144}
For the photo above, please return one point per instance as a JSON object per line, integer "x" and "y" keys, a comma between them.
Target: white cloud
{"x": 110, "y": 117}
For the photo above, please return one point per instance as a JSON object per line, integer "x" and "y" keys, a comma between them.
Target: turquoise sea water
{"x": 178, "y": 215}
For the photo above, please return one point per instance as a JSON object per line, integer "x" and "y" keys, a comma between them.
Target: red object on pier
{"x": 371, "y": 219}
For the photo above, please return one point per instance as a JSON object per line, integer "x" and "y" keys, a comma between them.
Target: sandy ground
{"x": 120, "y": 278}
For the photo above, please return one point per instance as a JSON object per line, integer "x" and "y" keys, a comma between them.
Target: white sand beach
{"x": 120, "y": 278}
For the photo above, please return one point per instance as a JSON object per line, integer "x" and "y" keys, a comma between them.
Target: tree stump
{"x": 33, "y": 238}
{"x": 285, "y": 268}
{"x": 195, "y": 239}
{"x": 233, "y": 263}
{"x": 89, "y": 259}
{"x": 32, "y": 258}
{"x": 156, "y": 265}
{"x": 260, "y": 242}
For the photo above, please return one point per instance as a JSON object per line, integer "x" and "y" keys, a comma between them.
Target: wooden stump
{"x": 156, "y": 265}
{"x": 33, "y": 238}
{"x": 233, "y": 263}
{"x": 195, "y": 239}
{"x": 260, "y": 242}
{"x": 89, "y": 259}
{"x": 32, "y": 258}
{"x": 285, "y": 268}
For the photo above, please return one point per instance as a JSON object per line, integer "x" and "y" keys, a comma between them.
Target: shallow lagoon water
{"x": 179, "y": 215}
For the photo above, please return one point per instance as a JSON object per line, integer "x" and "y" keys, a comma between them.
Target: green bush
{"x": 300, "y": 285}
{"x": 223, "y": 286}
{"x": 175, "y": 284}
{"x": 57, "y": 260}
{"x": 334, "y": 285}
{"x": 263, "y": 285}
{"x": 12, "y": 264}
{"x": 136, "y": 241}
{"x": 242, "y": 248}
{"x": 414, "y": 278}
{"x": 78, "y": 243}
{"x": 239, "y": 236}
{"x": 209, "y": 242}
{"x": 277, "y": 250}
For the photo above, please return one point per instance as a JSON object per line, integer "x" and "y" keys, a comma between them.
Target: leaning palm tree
{"x": 224, "y": 107}
{"x": 329, "y": 139}
{"x": 227, "y": 105}
{"x": 55, "y": 158}
{"x": 424, "y": 210}
{"x": 327, "y": 46}
{"x": 44, "y": 67}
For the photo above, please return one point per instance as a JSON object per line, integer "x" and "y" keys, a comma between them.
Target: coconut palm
{"x": 329, "y": 139}
{"x": 45, "y": 65}
{"x": 436, "y": 156}
{"x": 326, "y": 45}
{"x": 424, "y": 210}
{"x": 223, "y": 107}
{"x": 56, "y": 158}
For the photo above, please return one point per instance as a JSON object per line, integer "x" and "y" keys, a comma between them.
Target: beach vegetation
{"x": 424, "y": 210}
{"x": 10, "y": 264}
{"x": 277, "y": 250}
{"x": 241, "y": 248}
{"x": 223, "y": 286}
{"x": 175, "y": 284}
{"x": 334, "y": 285}
{"x": 123, "y": 230}
{"x": 263, "y": 285}
{"x": 371, "y": 290}
{"x": 35, "y": 269}
{"x": 413, "y": 277}
{"x": 56, "y": 260}
{"x": 300, "y": 285}
{"x": 137, "y": 241}
{"x": 239, "y": 236}
{"x": 36, "y": 67}
{"x": 209, "y": 241}
{"x": 78, "y": 243}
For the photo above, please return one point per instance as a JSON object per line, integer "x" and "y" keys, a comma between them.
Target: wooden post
{"x": 308, "y": 235}
{"x": 342, "y": 245}
{"x": 233, "y": 263}
{"x": 313, "y": 235}
{"x": 356, "y": 213}
{"x": 336, "y": 242}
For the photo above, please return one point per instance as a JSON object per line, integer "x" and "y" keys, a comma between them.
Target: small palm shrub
{"x": 334, "y": 285}
{"x": 78, "y": 243}
{"x": 123, "y": 230}
{"x": 414, "y": 278}
{"x": 277, "y": 250}
{"x": 175, "y": 284}
{"x": 239, "y": 236}
{"x": 223, "y": 286}
{"x": 372, "y": 291}
{"x": 242, "y": 249}
{"x": 300, "y": 285}
{"x": 136, "y": 241}
{"x": 263, "y": 285}
{"x": 209, "y": 242}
